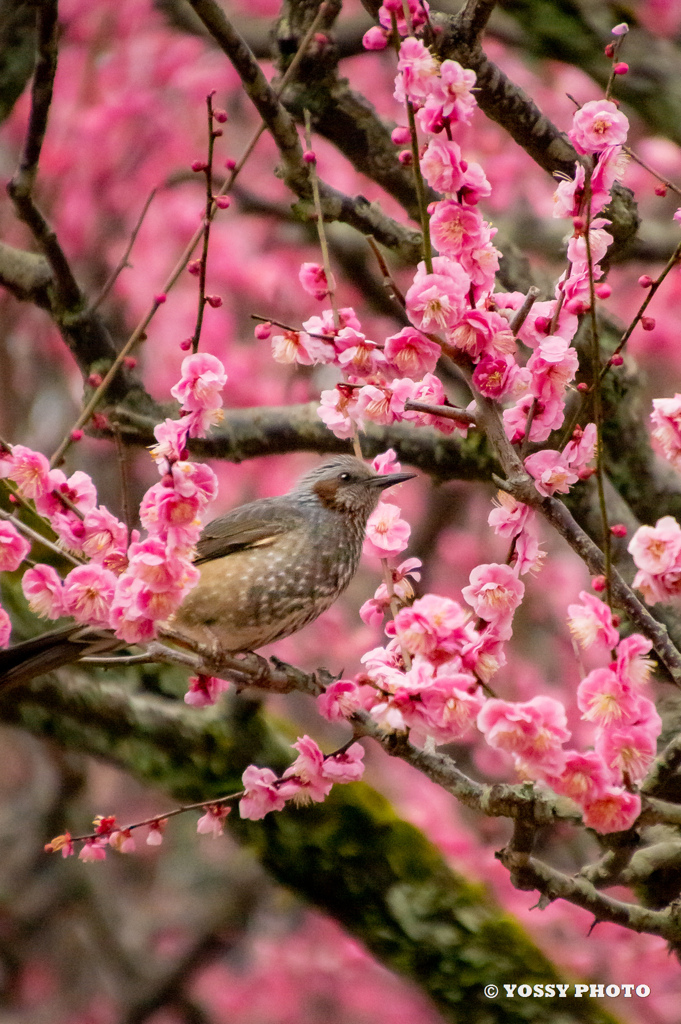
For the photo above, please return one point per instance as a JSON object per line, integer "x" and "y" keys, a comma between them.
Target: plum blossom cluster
{"x": 308, "y": 780}
{"x": 602, "y": 781}
{"x": 451, "y": 303}
{"x": 439, "y": 693}
{"x": 160, "y": 572}
{"x": 125, "y": 583}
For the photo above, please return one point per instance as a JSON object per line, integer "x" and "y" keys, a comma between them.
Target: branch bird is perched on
{"x": 267, "y": 568}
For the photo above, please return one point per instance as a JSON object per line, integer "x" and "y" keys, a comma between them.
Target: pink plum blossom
{"x": 339, "y": 701}
{"x": 475, "y": 184}
{"x": 78, "y": 490}
{"x": 509, "y": 516}
{"x": 87, "y": 594}
{"x": 417, "y": 70}
{"x": 373, "y": 610}
{"x": 599, "y": 241}
{"x": 345, "y": 767}
{"x": 29, "y": 470}
{"x": 550, "y": 472}
{"x": 631, "y": 667}
{"x": 481, "y": 331}
{"x": 163, "y": 508}
{"x": 204, "y": 690}
{"x": 313, "y": 280}
{"x": 13, "y": 547}
{"x": 432, "y": 622}
{"x": 585, "y": 777}
{"x": 376, "y": 404}
{"x": 212, "y": 822}
{"x": 127, "y": 616}
{"x": 375, "y": 38}
{"x": 666, "y": 423}
{"x": 631, "y": 749}
{"x": 451, "y": 705}
{"x": 604, "y": 699}
{"x": 614, "y": 811}
{"x": 552, "y": 365}
{"x": 171, "y": 436}
{"x": 591, "y": 622}
{"x": 5, "y": 628}
{"x": 418, "y": 13}
{"x": 298, "y": 347}
{"x": 194, "y": 479}
{"x": 387, "y": 533}
{"x": 308, "y": 772}
{"x": 495, "y": 378}
{"x": 455, "y": 229}
{"x": 534, "y": 730}
{"x": 93, "y": 850}
{"x": 202, "y": 379}
{"x": 580, "y": 450}
{"x": 436, "y": 301}
{"x": 441, "y": 165}
{"x": 450, "y": 99}
{"x": 103, "y": 534}
{"x": 42, "y": 588}
{"x": 338, "y": 410}
{"x": 386, "y": 462}
{"x": 261, "y": 794}
{"x": 528, "y": 555}
{"x": 494, "y": 592}
{"x": 597, "y": 125}
{"x": 657, "y": 549}
{"x": 569, "y": 194}
{"x": 411, "y": 353}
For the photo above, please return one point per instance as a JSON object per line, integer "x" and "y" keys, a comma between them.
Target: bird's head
{"x": 347, "y": 484}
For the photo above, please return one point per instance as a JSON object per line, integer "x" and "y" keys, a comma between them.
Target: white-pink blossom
{"x": 597, "y": 125}
{"x": 591, "y": 622}
{"x": 387, "y": 533}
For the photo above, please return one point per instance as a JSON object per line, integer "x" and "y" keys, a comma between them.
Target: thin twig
{"x": 123, "y": 262}
{"x": 448, "y": 412}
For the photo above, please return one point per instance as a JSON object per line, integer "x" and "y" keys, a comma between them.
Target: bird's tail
{"x": 24, "y": 661}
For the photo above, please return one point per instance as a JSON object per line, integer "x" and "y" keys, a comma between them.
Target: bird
{"x": 267, "y": 569}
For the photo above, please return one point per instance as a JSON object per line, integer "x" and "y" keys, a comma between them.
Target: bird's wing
{"x": 253, "y": 525}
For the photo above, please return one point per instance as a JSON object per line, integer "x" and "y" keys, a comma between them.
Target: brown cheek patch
{"x": 327, "y": 492}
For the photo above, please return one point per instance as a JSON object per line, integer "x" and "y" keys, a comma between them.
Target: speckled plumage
{"x": 270, "y": 567}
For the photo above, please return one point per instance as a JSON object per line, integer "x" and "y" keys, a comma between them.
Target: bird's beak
{"x": 389, "y": 480}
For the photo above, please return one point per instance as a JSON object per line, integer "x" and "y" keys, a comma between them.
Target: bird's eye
{"x": 345, "y": 477}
